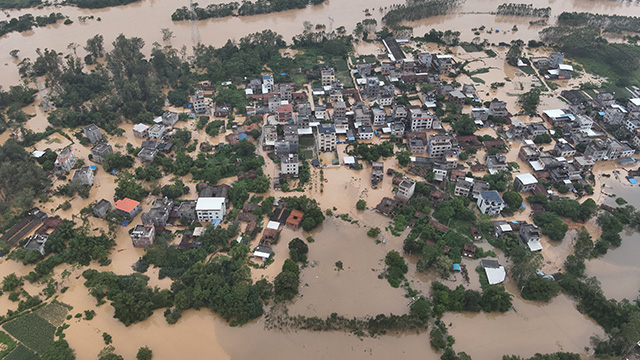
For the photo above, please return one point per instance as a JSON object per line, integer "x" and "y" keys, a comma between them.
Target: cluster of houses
{"x": 157, "y": 137}
{"x": 553, "y": 65}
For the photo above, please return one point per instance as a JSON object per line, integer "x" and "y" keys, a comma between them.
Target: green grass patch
{"x": 479, "y": 71}
{"x": 307, "y": 142}
{"x": 620, "y": 92}
{"x": 368, "y": 58}
{"x": 528, "y": 70}
{"x": 31, "y": 330}
{"x": 8, "y": 344}
{"x": 476, "y": 79}
{"x": 306, "y": 154}
{"x": 602, "y": 68}
{"x": 590, "y": 92}
{"x": 299, "y": 79}
{"x": 462, "y": 228}
{"x": 490, "y": 53}
{"x": 471, "y": 47}
{"x": 21, "y": 353}
{"x": 54, "y": 312}
{"x": 484, "y": 281}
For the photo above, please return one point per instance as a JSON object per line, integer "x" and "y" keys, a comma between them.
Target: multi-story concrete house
{"x": 143, "y": 235}
{"x": 372, "y": 87}
{"x": 65, "y": 161}
{"x": 439, "y": 144}
{"x": 99, "y": 151}
{"x": 141, "y": 131}
{"x": 596, "y": 150}
{"x": 421, "y": 120}
{"x": 159, "y": 213}
{"x": 92, "y": 132}
{"x": 525, "y": 182}
{"x": 443, "y": 63}
{"x": 326, "y": 139}
{"x": 490, "y": 203}
{"x": 617, "y": 149}
{"x": 156, "y": 131}
{"x": 379, "y": 117}
{"x": 200, "y": 106}
{"x": 328, "y": 76}
{"x": 289, "y": 165}
{"x": 211, "y": 209}
{"x": 83, "y": 176}
{"x": 406, "y": 189}
{"x": 284, "y": 114}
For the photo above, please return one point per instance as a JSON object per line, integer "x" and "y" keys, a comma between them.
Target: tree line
{"x": 27, "y": 22}
{"x": 247, "y": 8}
{"x": 418, "y": 9}
{"x": 523, "y": 10}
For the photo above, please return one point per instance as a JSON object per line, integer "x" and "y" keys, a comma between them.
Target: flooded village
{"x": 327, "y": 183}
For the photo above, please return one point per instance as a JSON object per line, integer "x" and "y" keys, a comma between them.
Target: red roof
{"x": 295, "y": 218}
{"x": 285, "y": 107}
{"x": 126, "y": 205}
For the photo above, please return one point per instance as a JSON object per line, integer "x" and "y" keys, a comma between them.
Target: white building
{"x": 525, "y": 182}
{"x": 199, "y": 104}
{"x": 209, "y": 209}
{"x": 421, "y": 120}
{"x": 634, "y": 105}
{"x": 490, "y": 203}
{"x": 406, "y": 188}
{"x": 289, "y": 165}
{"x": 156, "y": 131}
{"x": 379, "y": 117}
{"x": 326, "y": 140}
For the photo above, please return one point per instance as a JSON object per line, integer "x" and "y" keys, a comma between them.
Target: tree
{"x": 361, "y": 204}
{"x": 525, "y": 263}
{"x": 166, "y": 34}
{"x": 542, "y": 139}
{"x": 144, "y": 353}
{"x": 539, "y": 289}
{"x": 495, "y": 298}
{"x": 298, "y": 250}
{"x": 285, "y": 285}
{"x": 403, "y": 157}
{"x": 107, "y": 338}
{"x": 58, "y": 350}
{"x": 396, "y": 268}
{"x": 177, "y": 97}
{"x": 95, "y": 47}
{"x": 513, "y": 200}
{"x": 117, "y": 161}
{"x": 128, "y": 187}
{"x": 443, "y": 265}
{"x": 11, "y": 282}
{"x": 464, "y": 126}
{"x": 530, "y": 101}
{"x": 551, "y": 225}
{"x": 515, "y": 52}
{"x": 373, "y": 232}
{"x": 421, "y": 308}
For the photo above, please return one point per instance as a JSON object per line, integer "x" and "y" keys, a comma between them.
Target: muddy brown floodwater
{"x": 145, "y": 19}
{"x": 356, "y": 290}
{"x": 619, "y": 269}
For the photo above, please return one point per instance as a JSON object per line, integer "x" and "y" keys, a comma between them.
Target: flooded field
{"x": 619, "y": 269}
{"x": 145, "y": 19}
